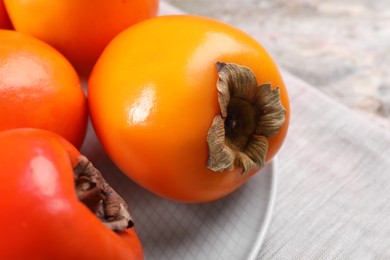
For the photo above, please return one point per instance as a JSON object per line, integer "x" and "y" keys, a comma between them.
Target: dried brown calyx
{"x": 100, "y": 197}
{"x": 250, "y": 114}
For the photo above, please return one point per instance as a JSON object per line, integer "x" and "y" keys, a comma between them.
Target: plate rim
{"x": 268, "y": 214}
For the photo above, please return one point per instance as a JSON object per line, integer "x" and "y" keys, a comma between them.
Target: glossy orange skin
{"x": 80, "y": 29}
{"x": 41, "y": 217}
{"x": 39, "y": 88}
{"x": 152, "y": 99}
{"x": 5, "y": 23}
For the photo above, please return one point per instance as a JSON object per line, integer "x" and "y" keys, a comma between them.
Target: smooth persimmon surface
{"x": 39, "y": 88}
{"x": 80, "y": 29}
{"x": 153, "y": 97}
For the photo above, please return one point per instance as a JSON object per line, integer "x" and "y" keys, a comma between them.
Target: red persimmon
{"x": 42, "y": 181}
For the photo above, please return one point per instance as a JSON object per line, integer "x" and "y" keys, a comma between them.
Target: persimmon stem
{"x": 93, "y": 190}
{"x": 250, "y": 114}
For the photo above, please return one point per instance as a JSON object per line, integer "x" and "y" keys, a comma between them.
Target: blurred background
{"x": 340, "y": 47}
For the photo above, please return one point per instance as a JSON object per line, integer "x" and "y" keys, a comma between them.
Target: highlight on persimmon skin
{"x": 78, "y": 29}
{"x": 39, "y": 88}
{"x": 153, "y": 97}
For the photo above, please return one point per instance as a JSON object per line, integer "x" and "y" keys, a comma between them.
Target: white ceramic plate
{"x": 230, "y": 228}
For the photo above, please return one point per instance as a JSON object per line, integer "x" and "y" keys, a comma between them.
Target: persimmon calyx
{"x": 93, "y": 190}
{"x": 250, "y": 114}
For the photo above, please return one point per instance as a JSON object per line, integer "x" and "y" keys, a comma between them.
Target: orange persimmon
{"x": 155, "y": 106}
{"x": 79, "y": 29}
{"x": 39, "y": 88}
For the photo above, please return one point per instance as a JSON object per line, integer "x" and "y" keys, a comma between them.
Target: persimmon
{"x": 39, "y": 88}
{"x": 5, "y": 23}
{"x": 80, "y": 29}
{"x": 56, "y": 205}
{"x": 188, "y": 107}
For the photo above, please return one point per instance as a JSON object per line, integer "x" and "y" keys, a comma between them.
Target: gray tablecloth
{"x": 333, "y": 197}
